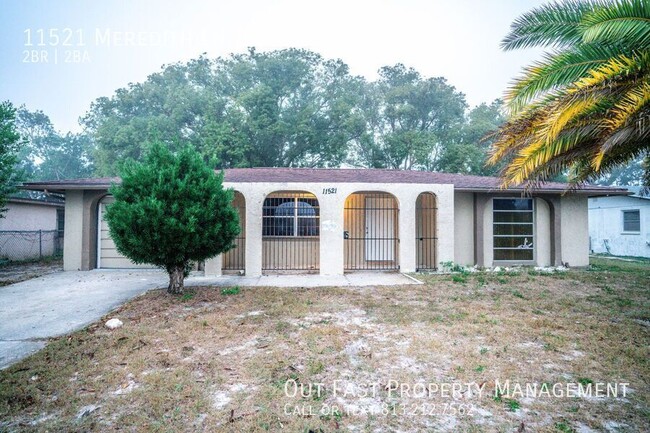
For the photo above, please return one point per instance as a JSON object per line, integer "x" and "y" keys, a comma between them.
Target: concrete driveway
{"x": 56, "y": 304}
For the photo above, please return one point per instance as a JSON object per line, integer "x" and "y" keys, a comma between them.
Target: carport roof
{"x": 461, "y": 182}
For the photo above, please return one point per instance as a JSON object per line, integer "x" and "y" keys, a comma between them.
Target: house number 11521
{"x": 329, "y": 190}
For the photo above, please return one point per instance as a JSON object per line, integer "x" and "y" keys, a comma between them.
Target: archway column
{"x": 555, "y": 207}
{"x": 332, "y": 251}
{"x": 407, "y": 246}
{"x": 74, "y": 229}
{"x": 254, "y": 203}
{"x": 445, "y": 222}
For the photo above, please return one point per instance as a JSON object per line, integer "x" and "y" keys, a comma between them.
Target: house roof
{"x": 36, "y": 198}
{"x": 638, "y": 192}
{"x": 461, "y": 182}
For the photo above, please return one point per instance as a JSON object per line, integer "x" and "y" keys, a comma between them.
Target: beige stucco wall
{"x": 542, "y": 233}
{"x": 72, "y": 247}
{"x": 31, "y": 218}
{"x": 332, "y": 253}
{"x": 575, "y": 230}
{"x": 24, "y": 216}
{"x": 464, "y": 228}
{"x": 80, "y": 246}
{"x": 455, "y": 225}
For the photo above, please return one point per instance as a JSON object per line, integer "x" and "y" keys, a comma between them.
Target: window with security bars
{"x": 632, "y": 221}
{"x": 295, "y": 216}
{"x": 513, "y": 229}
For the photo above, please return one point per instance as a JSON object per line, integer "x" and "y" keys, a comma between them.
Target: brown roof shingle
{"x": 461, "y": 182}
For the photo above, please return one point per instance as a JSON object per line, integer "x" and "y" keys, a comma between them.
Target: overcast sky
{"x": 81, "y": 50}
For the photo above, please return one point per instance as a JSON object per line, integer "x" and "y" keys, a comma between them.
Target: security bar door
{"x": 380, "y": 232}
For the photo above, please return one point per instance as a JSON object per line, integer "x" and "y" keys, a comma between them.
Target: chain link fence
{"x": 18, "y": 245}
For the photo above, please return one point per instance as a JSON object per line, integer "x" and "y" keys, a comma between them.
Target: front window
{"x": 290, "y": 215}
{"x": 632, "y": 221}
{"x": 513, "y": 229}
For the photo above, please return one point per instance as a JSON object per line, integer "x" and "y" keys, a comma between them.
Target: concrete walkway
{"x": 33, "y": 311}
{"x": 347, "y": 280}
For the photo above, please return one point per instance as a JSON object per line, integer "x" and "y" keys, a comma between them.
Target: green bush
{"x": 171, "y": 211}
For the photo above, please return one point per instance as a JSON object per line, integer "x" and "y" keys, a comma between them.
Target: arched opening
{"x": 371, "y": 237}
{"x": 290, "y": 232}
{"x": 234, "y": 261}
{"x": 425, "y": 232}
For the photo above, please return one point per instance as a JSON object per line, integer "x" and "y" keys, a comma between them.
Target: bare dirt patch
{"x": 216, "y": 362}
{"x": 15, "y": 272}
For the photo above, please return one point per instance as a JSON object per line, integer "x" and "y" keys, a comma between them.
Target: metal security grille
{"x": 371, "y": 231}
{"x": 290, "y": 232}
{"x": 425, "y": 232}
{"x": 235, "y": 259}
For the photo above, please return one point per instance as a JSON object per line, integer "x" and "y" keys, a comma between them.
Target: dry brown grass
{"x": 219, "y": 362}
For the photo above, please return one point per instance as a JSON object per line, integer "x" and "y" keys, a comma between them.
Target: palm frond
{"x": 557, "y": 70}
{"x": 630, "y": 104}
{"x": 555, "y": 24}
{"x": 526, "y": 166}
{"x": 623, "y": 22}
{"x": 615, "y": 69}
{"x": 629, "y": 151}
{"x": 585, "y": 106}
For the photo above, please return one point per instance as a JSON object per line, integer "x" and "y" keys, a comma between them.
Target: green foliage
{"x": 512, "y": 405}
{"x": 49, "y": 155}
{"x": 187, "y": 296}
{"x": 171, "y": 210}
{"x": 409, "y": 120}
{"x": 466, "y": 151}
{"x": 517, "y": 294}
{"x": 294, "y": 108}
{"x": 450, "y": 266}
{"x": 459, "y": 278}
{"x": 584, "y": 381}
{"x": 564, "y": 426}
{"x": 582, "y": 109}
{"x": 226, "y": 291}
{"x": 280, "y": 108}
{"x": 9, "y": 146}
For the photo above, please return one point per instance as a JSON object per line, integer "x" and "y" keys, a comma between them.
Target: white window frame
{"x": 534, "y": 235}
{"x": 630, "y": 232}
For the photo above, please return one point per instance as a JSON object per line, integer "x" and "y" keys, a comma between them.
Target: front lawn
{"x": 381, "y": 357}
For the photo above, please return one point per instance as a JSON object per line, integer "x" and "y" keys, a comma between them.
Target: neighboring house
{"x": 32, "y": 227}
{"x": 333, "y": 221}
{"x": 620, "y": 225}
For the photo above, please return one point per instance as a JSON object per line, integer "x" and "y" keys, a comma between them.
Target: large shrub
{"x": 170, "y": 211}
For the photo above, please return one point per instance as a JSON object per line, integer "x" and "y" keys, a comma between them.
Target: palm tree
{"x": 583, "y": 109}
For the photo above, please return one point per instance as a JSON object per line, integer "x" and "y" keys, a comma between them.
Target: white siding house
{"x": 620, "y": 225}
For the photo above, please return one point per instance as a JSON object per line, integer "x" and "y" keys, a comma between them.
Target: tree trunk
{"x": 176, "y": 278}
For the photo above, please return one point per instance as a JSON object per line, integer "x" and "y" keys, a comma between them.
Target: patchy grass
{"x": 230, "y": 291}
{"x": 216, "y": 362}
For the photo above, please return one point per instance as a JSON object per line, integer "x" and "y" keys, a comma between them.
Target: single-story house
{"x": 620, "y": 225}
{"x": 32, "y": 226}
{"x": 331, "y": 221}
